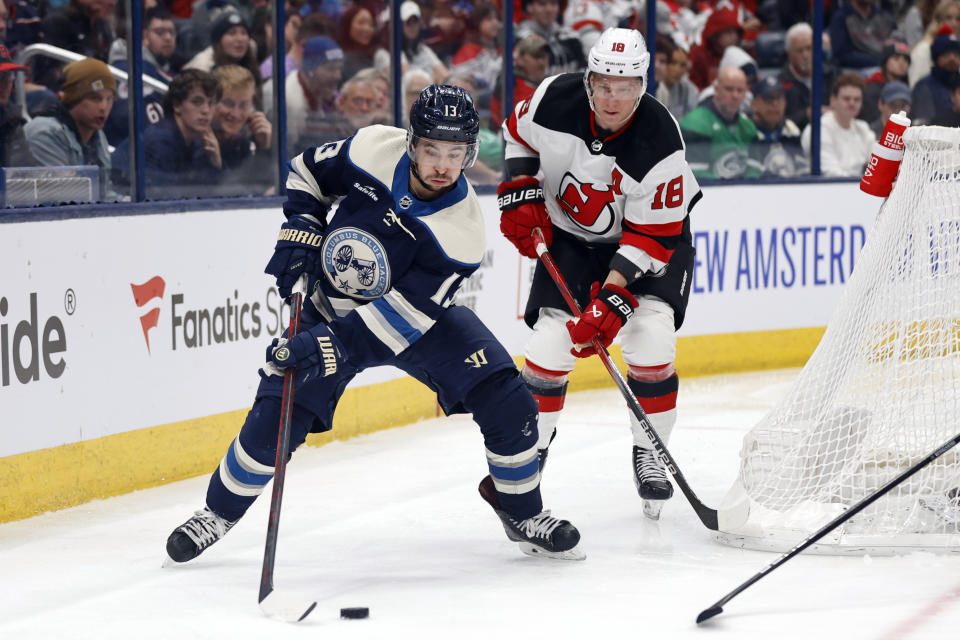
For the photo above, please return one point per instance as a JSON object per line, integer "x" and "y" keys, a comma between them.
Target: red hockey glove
{"x": 609, "y": 310}
{"x": 521, "y": 203}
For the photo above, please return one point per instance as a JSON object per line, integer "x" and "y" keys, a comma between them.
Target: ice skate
{"x": 196, "y": 534}
{"x": 651, "y": 481}
{"x": 541, "y": 535}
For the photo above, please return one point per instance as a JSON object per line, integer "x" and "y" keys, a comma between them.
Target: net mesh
{"x": 881, "y": 390}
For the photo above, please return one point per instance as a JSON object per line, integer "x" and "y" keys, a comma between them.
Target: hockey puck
{"x": 355, "y": 613}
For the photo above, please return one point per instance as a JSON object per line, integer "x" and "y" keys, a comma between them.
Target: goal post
{"x": 880, "y": 392}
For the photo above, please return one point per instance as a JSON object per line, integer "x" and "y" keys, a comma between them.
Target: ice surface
{"x": 393, "y": 521}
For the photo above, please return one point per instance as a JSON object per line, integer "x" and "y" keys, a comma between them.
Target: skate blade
{"x": 540, "y": 552}
{"x": 652, "y": 508}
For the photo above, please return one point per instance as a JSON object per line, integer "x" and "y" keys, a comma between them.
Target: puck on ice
{"x": 354, "y": 613}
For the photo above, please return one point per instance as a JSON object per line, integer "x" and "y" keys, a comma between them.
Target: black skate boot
{"x": 651, "y": 481}
{"x": 541, "y": 535}
{"x": 196, "y": 534}
{"x": 542, "y": 453}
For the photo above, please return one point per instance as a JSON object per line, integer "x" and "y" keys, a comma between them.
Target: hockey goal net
{"x": 882, "y": 389}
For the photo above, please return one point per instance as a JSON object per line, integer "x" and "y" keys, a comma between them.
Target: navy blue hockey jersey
{"x": 392, "y": 262}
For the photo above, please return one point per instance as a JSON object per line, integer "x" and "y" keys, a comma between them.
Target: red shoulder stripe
{"x": 653, "y": 248}
{"x": 512, "y": 128}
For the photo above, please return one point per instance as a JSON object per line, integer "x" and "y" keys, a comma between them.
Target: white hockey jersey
{"x": 632, "y": 187}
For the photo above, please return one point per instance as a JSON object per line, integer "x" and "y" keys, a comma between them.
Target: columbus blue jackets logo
{"x": 356, "y": 263}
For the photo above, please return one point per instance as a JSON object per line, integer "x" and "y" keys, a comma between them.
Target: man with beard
{"x": 381, "y": 271}
{"x": 931, "y": 95}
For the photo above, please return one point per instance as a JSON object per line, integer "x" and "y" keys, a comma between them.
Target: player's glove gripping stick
{"x": 603, "y": 318}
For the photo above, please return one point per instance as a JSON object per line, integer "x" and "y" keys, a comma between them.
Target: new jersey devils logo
{"x": 588, "y": 206}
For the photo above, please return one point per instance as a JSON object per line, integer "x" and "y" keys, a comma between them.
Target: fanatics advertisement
{"x": 116, "y": 324}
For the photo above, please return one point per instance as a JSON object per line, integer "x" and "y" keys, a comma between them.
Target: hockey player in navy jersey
{"x": 613, "y": 200}
{"x": 406, "y": 234}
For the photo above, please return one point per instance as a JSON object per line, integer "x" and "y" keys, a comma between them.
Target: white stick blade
{"x": 285, "y": 607}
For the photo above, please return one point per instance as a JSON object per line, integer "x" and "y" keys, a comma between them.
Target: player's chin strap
{"x": 709, "y": 517}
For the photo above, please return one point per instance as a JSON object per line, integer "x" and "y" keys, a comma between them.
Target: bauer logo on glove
{"x": 522, "y": 211}
{"x": 602, "y": 319}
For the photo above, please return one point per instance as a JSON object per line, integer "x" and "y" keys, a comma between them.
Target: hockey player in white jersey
{"x": 407, "y": 231}
{"x": 614, "y": 207}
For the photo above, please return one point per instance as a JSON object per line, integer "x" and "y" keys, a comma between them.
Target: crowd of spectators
{"x": 736, "y": 74}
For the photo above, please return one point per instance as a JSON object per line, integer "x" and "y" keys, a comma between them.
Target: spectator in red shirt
{"x": 721, "y": 31}
{"x": 480, "y": 54}
{"x": 530, "y": 62}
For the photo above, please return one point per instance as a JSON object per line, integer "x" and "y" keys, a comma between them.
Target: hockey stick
{"x": 283, "y": 607}
{"x": 717, "y": 607}
{"x": 709, "y": 517}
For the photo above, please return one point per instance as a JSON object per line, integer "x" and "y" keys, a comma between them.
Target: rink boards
{"x": 129, "y": 345}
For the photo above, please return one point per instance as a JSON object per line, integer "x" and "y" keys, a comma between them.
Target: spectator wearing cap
{"x": 721, "y": 31}
{"x": 14, "y": 150}
{"x": 566, "y": 51}
{"x": 530, "y": 61}
{"x": 183, "y": 156}
{"x": 674, "y": 89}
{"x": 946, "y": 12}
{"x": 777, "y": 147}
{"x": 845, "y": 141}
{"x": 83, "y": 26}
{"x": 893, "y": 68}
{"x": 931, "y": 95}
{"x": 312, "y": 114}
{"x": 894, "y": 98}
{"x": 73, "y": 133}
{"x": 858, "y": 31}
{"x": 797, "y": 74}
{"x": 415, "y": 52}
{"x": 230, "y": 35}
{"x": 355, "y": 35}
{"x": 718, "y": 135}
{"x": 480, "y": 54}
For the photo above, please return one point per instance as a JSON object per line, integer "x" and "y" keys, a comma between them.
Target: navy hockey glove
{"x": 521, "y": 204}
{"x": 314, "y": 353}
{"x": 609, "y": 310}
{"x": 297, "y": 252}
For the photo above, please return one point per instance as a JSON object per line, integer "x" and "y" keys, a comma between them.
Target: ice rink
{"x": 393, "y": 521}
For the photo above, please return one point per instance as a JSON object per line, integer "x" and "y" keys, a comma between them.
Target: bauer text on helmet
{"x": 442, "y": 139}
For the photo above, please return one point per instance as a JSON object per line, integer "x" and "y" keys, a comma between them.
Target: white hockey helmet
{"x": 618, "y": 52}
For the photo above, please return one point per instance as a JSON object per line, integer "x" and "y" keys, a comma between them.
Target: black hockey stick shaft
{"x": 707, "y": 515}
{"x": 283, "y": 451}
{"x": 717, "y": 607}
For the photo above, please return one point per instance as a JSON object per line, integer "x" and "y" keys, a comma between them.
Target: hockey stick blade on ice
{"x": 285, "y": 607}
{"x": 709, "y": 517}
{"x": 717, "y": 607}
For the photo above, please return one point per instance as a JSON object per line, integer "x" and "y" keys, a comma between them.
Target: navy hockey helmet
{"x": 445, "y": 113}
